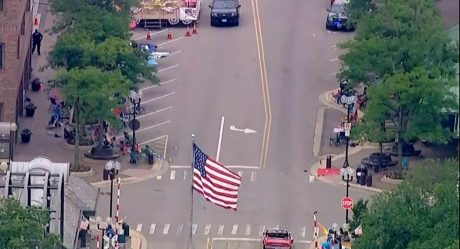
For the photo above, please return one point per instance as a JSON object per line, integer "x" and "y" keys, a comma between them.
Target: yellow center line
{"x": 264, "y": 81}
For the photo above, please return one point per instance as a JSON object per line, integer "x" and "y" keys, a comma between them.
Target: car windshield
{"x": 224, "y": 5}
{"x": 338, "y": 8}
{"x": 278, "y": 235}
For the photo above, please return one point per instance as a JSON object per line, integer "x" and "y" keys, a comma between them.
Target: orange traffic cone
{"x": 149, "y": 37}
{"x": 194, "y": 29}
{"x": 188, "y": 31}
{"x": 169, "y": 35}
{"x": 35, "y": 21}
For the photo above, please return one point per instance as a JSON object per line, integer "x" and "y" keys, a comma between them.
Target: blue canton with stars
{"x": 199, "y": 160}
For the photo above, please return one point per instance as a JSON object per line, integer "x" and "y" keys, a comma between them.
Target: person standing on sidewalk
{"x": 36, "y": 41}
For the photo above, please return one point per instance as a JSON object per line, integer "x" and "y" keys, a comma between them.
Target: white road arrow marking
{"x": 245, "y": 131}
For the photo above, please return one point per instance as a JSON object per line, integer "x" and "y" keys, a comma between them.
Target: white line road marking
{"x": 303, "y": 231}
{"x": 159, "y": 177}
{"x": 335, "y": 59}
{"x": 157, "y": 98}
{"x": 155, "y": 33}
{"x": 173, "y": 175}
{"x": 303, "y": 242}
{"x": 194, "y": 226}
{"x": 167, "y": 68}
{"x": 175, "y": 52}
{"x": 247, "y": 231}
{"x": 261, "y": 230}
{"x": 234, "y": 229}
{"x": 153, "y": 139}
{"x": 207, "y": 228}
{"x": 160, "y": 84}
{"x": 220, "y": 230}
{"x": 152, "y": 229}
{"x": 180, "y": 228}
{"x": 277, "y": 226}
{"x": 331, "y": 74}
{"x": 164, "y": 43}
{"x": 230, "y": 167}
{"x": 166, "y": 229}
{"x": 155, "y": 112}
{"x": 146, "y": 128}
{"x": 253, "y": 176}
{"x": 185, "y": 175}
{"x": 221, "y": 131}
{"x": 139, "y": 227}
{"x": 240, "y": 173}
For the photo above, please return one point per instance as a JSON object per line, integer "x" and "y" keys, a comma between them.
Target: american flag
{"x": 210, "y": 178}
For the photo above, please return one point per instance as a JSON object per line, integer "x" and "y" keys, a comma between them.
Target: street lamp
{"x": 110, "y": 171}
{"x": 135, "y": 99}
{"x": 349, "y": 102}
{"x": 347, "y": 175}
{"x": 13, "y": 129}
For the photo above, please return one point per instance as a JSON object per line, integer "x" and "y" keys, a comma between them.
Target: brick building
{"x": 15, "y": 59}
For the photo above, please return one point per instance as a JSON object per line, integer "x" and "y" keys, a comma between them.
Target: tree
{"x": 24, "y": 227}
{"x": 415, "y": 104}
{"x": 399, "y": 37}
{"x": 96, "y": 91}
{"x": 359, "y": 211}
{"x": 358, "y": 8}
{"x": 421, "y": 213}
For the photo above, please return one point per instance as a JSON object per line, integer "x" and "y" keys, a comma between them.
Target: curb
{"x": 391, "y": 181}
{"x": 158, "y": 168}
{"x": 67, "y": 146}
{"x": 138, "y": 241}
{"x": 90, "y": 172}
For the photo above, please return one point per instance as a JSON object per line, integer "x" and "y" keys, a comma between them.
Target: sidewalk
{"x": 50, "y": 143}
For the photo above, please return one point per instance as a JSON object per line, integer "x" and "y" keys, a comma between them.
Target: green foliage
{"x": 358, "y": 8}
{"x": 359, "y": 211}
{"x": 421, "y": 213}
{"x": 96, "y": 90}
{"x": 419, "y": 99}
{"x": 400, "y": 37}
{"x": 24, "y": 227}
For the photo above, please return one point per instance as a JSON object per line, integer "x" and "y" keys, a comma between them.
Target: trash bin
{"x": 150, "y": 158}
{"x": 369, "y": 180}
{"x": 30, "y": 111}
{"x": 25, "y": 136}
{"x": 328, "y": 162}
{"x": 358, "y": 175}
{"x": 105, "y": 175}
{"x": 362, "y": 179}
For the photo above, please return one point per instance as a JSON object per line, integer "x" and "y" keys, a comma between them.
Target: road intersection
{"x": 222, "y": 85}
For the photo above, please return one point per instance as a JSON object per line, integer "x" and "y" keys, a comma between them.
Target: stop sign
{"x": 347, "y": 203}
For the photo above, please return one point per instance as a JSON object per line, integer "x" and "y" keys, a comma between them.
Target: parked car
{"x": 275, "y": 238}
{"x": 225, "y": 12}
{"x": 337, "y": 18}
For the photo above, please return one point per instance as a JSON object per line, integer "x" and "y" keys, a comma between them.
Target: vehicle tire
{"x": 237, "y": 23}
{"x": 212, "y": 23}
{"x": 328, "y": 27}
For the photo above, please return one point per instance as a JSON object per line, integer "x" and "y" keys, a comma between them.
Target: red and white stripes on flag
{"x": 218, "y": 184}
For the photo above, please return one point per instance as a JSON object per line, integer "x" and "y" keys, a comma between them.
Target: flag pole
{"x": 191, "y": 197}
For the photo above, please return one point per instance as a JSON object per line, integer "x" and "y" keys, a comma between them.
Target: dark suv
{"x": 225, "y": 12}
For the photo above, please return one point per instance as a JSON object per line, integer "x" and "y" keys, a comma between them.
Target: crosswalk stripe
{"x": 139, "y": 227}
{"x": 206, "y": 229}
{"x": 261, "y": 230}
{"x": 180, "y": 228}
{"x": 194, "y": 226}
{"x": 303, "y": 231}
{"x": 234, "y": 229}
{"x": 166, "y": 229}
{"x": 253, "y": 176}
{"x": 220, "y": 231}
{"x": 185, "y": 175}
{"x": 247, "y": 231}
{"x": 173, "y": 175}
{"x": 159, "y": 177}
{"x": 152, "y": 229}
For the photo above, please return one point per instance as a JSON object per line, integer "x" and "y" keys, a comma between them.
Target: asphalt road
{"x": 266, "y": 81}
